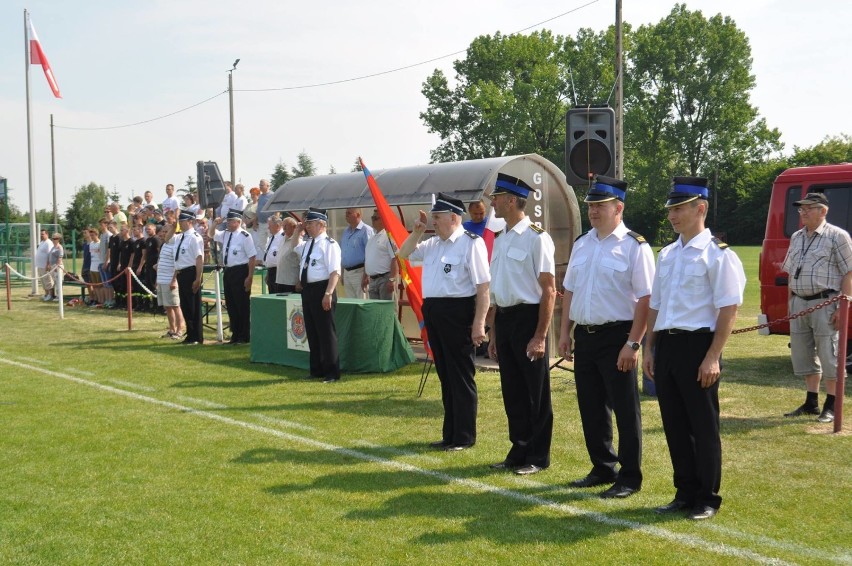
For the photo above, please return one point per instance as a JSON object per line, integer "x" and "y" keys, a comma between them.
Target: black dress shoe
{"x": 528, "y": 470}
{"x": 701, "y": 512}
{"x": 190, "y": 342}
{"x": 617, "y": 491}
{"x": 330, "y": 379}
{"x": 439, "y": 444}
{"x": 312, "y": 377}
{"x": 590, "y": 480}
{"x": 805, "y": 409}
{"x": 675, "y": 506}
{"x": 456, "y": 447}
{"x": 826, "y": 416}
{"x": 504, "y": 465}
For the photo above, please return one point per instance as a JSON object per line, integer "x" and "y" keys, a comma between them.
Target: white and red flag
{"x": 37, "y": 57}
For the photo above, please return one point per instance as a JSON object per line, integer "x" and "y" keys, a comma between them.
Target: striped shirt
{"x": 166, "y": 264}
{"x": 818, "y": 262}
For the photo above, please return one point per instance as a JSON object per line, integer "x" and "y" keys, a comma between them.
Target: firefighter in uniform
{"x": 189, "y": 269}
{"x": 455, "y": 302}
{"x": 319, "y": 273}
{"x": 698, "y": 286}
{"x": 238, "y": 259}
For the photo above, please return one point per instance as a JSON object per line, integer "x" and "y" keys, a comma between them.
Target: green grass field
{"x": 119, "y": 447}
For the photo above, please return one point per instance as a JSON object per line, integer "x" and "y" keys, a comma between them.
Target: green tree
{"x": 833, "y": 149}
{"x": 305, "y": 166}
{"x": 188, "y": 186}
{"x": 86, "y": 208}
{"x": 332, "y": 170}
{"x": 356, "y": 167}
{"x": 280, "y": 175}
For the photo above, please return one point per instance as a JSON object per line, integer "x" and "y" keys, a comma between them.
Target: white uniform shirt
{"x": 288, "y": 260}
{"x": 379, "y": 254}
{"x": 694, "y": 281}
{"x": 171, "y": 203}
{"x": 519, "y": 257}
{"x": 42, "y": 251}
{"x": 607, "y": 277}
{"x": 188, "y": 246}
{"x": 452, "y": 267}
{"x": 323, "y": 259}
{"x": 237, "y": 246}
{"x": 269, "y": 254}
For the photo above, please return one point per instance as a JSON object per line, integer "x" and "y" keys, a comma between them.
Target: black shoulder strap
{"x": 471, "y": 234}
{"x": 535, "y": 228}
{"x": 638, "y": 237}
{"x": 722, "y": 245}
{"x": 580, "y": 236}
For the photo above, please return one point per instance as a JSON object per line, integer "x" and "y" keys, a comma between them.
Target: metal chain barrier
{"x": 808, "y": 310}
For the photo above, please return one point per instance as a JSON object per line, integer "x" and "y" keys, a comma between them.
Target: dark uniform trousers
{"x": 190, "y": 304}
{"x": 271, "y": 285}
{"x": 321, "y": 331}
{"x": 601, "y": 390}
{"x": 690, "y": 416}
{"x": 525, "y": 385}
{"x": 237, "y": 302}
{"x": 448, "y": 324}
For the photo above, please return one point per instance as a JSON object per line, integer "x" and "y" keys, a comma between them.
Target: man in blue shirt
{"x": 263, "y": 217}
{"x": 352, "y": 246}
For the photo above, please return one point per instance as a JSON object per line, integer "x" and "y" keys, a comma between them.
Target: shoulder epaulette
{"x": 580, "y": 236}
{"x": 637, "y": 236}
{"x": 331, "y": 240}
{"x": 722, "y": 245}
{"x": 244, "y": 233}
{"x": 471, "y": 234}
{"x": 535, "y": 228}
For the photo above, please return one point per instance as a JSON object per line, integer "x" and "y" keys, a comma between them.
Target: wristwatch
{"x": 329, "y": 294}
{"x": 392, "y": 279}
{"x": 633, "y": 345}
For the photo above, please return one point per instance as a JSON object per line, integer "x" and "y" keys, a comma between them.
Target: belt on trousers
{"x": 702, "y": 330}
{"x": 227, "y": 267}
{"x": 515, "y": 308}
{"x": 823, "y": 295}
{"x": 592, "y": 328}
{"x": 350, "y": 268}
{"x": 379, "y": 275}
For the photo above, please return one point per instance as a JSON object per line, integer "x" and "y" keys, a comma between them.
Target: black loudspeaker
{"x": 589, "y": 144}
{"x": 211, "y": 186}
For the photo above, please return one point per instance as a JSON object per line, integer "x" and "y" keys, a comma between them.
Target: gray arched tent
{"x": 553, "y": 206}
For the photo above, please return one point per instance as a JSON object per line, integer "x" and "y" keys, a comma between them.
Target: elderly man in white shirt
{"x": 380, "y": 265}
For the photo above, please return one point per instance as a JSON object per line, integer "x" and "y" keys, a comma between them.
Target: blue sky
{"x": 119, "y": 62}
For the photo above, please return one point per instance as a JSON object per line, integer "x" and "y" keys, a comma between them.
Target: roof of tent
{"x": 465, "y": 180}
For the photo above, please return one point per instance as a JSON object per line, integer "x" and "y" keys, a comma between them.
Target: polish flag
{"x": 492, "y": 226}
{"x": 37, "y": 57}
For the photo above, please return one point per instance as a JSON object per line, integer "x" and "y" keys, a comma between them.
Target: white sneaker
{"x": 46, "y": 298}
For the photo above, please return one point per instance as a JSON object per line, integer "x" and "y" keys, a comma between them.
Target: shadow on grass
{"x": 382, "y": 406}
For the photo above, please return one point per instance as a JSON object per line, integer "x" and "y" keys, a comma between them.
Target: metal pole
{"x": 231, "y": 106}
{"x": 129, "y": 298}
{"x": 841, "y": 364}
{"x": 8, "y": 288}
{"x": 619, "y": 95}
{"x": 33, "y": 233}
{"x": 716, "y": 198}
{"x": 53, "y": 172}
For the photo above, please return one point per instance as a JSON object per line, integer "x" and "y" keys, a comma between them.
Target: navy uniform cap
{"x": 186, "y": 215}
{"x": 316, "y": 214}
{"x": 687, "y": 189}
{"x": 506, "y": 184}
{"x": 446, "y": 203}
{"x": 605, "y": 189}
{"x": 235, "y": 215}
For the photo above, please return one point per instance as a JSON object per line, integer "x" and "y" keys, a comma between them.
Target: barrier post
{"x": 129, "y": 298}
{"x": 843, "y": 312}
{"x": 8, "y": 288}
{"x": 59, "y": 274}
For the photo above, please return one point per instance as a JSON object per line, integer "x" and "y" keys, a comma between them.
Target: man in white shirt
{"x": 380, "y": 265}
{"x": 42, "y": 251}
{"x": 268, "y": 255}
{"x": 170, "y": 203}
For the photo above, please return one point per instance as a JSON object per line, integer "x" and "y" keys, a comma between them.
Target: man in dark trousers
{"x": 455, "y": 302}
{"x": 189, "y": 269}
{"x": 605, "y": 306}
{"x": 698, "y": 286}
{"x": 523, "y": 292}
{"x": 319, "y": 273}
{"x": 238, "y": 259}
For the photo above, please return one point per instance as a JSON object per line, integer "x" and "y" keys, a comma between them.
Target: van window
{"x": 839, "y": 209}
{"x": 791, "y": 215}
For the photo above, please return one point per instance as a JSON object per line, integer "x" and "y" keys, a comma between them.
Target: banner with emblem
{"x": 297, "y": 336}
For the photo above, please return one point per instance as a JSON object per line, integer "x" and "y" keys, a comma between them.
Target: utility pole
{"x": 231, "y": 104}
{"x": 619, "y": 95}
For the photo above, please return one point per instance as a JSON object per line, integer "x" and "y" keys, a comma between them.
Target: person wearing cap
{"x": 189, "y": 258}
{"x": 455, "y": 302}
{"x": 319, "y": 273}
{"x": 238, "y": 259}
{"x": 380, "y": 265}
{"x": 604, "y": 312}
{"x": 523, "y": 292}
{"x": 698, "y": 286}
{"x": 353, "y": 243}
{"x": 269, "y": 257}
{"x": 170, "y": 202}
{"x": 287, "y": 274}
{"x": 819, "y": 262}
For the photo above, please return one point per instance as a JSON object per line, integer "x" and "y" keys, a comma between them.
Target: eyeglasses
{"x": 806, "y": 209}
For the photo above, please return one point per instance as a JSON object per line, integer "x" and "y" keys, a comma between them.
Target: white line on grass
{"x": 34, "y": 361}
{"x": 132, "y": 385}
{"x": 476, "y": 485}
{"x": 282, "y": 422}
{"x": 80, "y": 372}
{"x": 203, "y": 402}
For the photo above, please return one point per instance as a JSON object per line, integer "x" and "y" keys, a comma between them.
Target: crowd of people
{"x": 617, "y": 301}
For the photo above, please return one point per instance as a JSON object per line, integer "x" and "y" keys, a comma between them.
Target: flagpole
{"x": 30, "y": 156}
{"x": 53, "y": 173}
